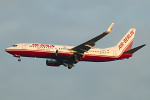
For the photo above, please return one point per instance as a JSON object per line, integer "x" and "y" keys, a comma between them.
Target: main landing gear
{"x": 70, "y": 66}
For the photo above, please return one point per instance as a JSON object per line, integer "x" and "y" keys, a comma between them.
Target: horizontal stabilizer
{"x": 134, "y": 49}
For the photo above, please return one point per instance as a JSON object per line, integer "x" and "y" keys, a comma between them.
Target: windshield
{"x": 14, "y": 45}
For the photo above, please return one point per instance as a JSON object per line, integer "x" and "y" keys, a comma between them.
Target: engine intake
{"x": 52, "y": 63}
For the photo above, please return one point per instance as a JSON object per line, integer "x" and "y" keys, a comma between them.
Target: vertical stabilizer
{"x": 126, "y": 42}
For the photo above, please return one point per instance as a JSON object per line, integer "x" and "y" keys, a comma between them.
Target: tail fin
{"x": 126, "y": 42}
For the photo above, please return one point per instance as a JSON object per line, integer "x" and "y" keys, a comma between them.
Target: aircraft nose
{"x": 7, "y": 50}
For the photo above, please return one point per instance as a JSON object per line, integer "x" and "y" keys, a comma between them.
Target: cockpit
{"x": 14, "y": 45}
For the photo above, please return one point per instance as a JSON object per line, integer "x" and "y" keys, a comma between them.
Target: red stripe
{"x": 126, "y": 48}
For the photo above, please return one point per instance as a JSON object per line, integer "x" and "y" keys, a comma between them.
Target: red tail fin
{"x": 126, "y": 42}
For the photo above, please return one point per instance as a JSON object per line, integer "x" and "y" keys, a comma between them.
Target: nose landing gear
{"x": 19, "y": 59}
{"x": 15, "y": 55}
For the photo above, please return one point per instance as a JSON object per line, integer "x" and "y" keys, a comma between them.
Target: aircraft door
{"x": 23, "y": 46}
{"x": 115, "y": 53}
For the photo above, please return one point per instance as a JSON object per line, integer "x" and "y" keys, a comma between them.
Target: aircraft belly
{"x": 97, "y": 58}
{"x": 41, "y": 54}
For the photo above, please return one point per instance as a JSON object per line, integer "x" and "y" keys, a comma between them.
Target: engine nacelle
{"x": 52, "y": 63}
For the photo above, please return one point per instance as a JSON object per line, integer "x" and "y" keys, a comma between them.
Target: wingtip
{"x": 110, "y": 28}
{"x": 144, "y": 44}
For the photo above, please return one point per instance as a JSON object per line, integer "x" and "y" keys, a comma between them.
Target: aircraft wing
{"x": 80, "y": 49}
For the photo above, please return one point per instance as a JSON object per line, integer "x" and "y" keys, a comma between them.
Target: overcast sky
{"x": 72, "y": 22}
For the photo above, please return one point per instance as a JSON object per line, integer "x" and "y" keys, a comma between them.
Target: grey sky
{"x": 72, "y": 22}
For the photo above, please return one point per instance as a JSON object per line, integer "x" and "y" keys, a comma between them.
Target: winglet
{"x": 110, "y": 28}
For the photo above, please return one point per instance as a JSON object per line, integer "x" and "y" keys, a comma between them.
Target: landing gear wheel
{"x": 69, "y": 66}
{"x": 19, "y": 59}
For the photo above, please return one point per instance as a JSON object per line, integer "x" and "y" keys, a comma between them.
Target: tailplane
{"x": 134, "y": 49}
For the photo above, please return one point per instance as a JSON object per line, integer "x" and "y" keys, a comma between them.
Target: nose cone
{"x": 7, "y": 50}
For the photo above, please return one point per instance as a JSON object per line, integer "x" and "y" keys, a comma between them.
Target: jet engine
{"x": 52, "y": 63}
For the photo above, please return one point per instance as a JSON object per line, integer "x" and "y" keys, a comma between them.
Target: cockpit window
{"x": 14, "y": 45}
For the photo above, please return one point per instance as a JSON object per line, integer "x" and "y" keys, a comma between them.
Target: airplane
{"x": 68, "y": 56}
